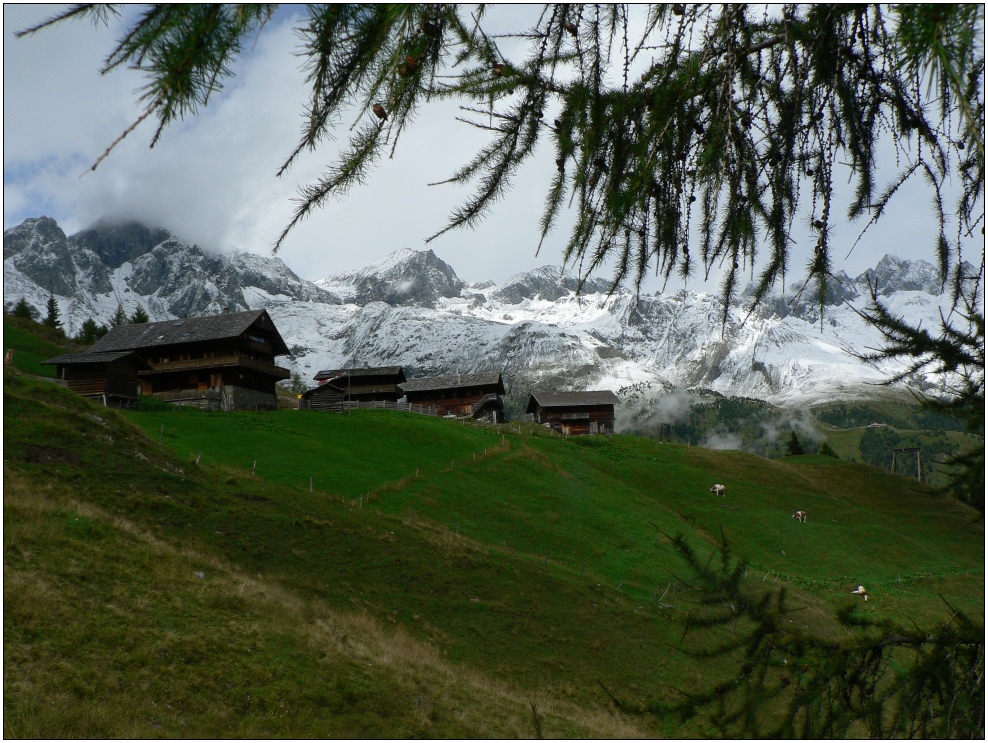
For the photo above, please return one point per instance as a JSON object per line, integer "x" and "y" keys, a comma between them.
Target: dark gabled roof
{"x": 365, "y": 371}
{"x": 454, "y": 381}
{"x": 571, "y": 399}
{"x": 176, "y": 332}
{"x": 321, "y": 390}
{"x": 89, "y": 357}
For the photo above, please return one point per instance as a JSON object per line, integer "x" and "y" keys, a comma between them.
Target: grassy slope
{"x": 104, "y": 534}
{"x": 32, "y": 344}
{"x": 504, "y": 568}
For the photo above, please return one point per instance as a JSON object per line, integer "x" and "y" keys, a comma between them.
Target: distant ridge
{"x": 412, "y": 310}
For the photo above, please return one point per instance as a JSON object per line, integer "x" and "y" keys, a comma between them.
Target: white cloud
{"x": 212, "y": 178}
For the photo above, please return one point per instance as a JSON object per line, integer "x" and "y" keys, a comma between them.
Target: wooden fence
{"x": 342, "y": 407}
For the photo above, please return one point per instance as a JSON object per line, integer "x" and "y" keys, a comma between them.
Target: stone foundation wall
{"x": 228, "y": 397}
{"x": 208, "y": 400}
{"x": 241, "y": 398}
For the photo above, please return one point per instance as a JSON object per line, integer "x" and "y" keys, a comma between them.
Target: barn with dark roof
{"x": 364, "y": 384}
{"x": 574, "y": 413}
{"x": 477, "y": 395}
{"x": 222, "y": 362}
{"x": 110, "y": 377}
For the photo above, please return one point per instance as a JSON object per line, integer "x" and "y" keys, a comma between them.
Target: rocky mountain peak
{"x": 411, "y": 309}
{"x": 404, "y": 277}
{"x": 547, "y": 282}
{"x": 895, "y": 274}
{"x": 118, "y": 242}
{"x": 35, "y": 231}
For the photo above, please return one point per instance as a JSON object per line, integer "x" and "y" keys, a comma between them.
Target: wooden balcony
{"x": 218, "y": 362}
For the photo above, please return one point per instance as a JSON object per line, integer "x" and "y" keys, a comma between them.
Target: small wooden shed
{"x": 110, "y": 376}
{"x": 574, "y": 413}
{"x": 324, "y": 397}
{"x": 366, "y": 384}
{"x": 474, "y": 395}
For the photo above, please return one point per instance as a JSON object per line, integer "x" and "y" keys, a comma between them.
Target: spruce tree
{"x": 794, "y": 447}
{"x": 23, "y": 309}
{"x": 90, "y": 332}
{"x": 140, "y": 316}
{"x": 119, "y": 317}
{"x": 51, "y": 319}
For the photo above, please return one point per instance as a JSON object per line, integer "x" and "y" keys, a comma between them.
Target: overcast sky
{"x": 211, "y": 179}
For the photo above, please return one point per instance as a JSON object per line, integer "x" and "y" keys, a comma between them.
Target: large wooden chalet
{"x": 474, "y": 395}
{"x": 111, "y": 376}
{"x": 574, "y": 413}
{"x": 220, "y": 362}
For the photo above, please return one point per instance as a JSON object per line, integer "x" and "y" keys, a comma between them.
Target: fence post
{"x": 253, "y": 470}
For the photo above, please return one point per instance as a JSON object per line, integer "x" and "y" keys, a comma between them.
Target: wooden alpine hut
{"x": 111, "y": 376}
{"x": 574, "y": 413}
{"x": 366, "y": 384}
{"x": 463, "y": 395}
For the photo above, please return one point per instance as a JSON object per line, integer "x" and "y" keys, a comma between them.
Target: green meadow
{"x": 431, "y": 579}
{"x": 32, "y": 343}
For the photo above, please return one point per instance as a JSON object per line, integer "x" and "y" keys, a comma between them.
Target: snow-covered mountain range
{"x": 412, "y": 309}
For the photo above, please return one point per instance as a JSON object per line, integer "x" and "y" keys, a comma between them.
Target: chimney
{"x": 226, "y": 310}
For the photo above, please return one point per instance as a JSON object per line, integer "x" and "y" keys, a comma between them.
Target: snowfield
{"x": 412, "y": 310}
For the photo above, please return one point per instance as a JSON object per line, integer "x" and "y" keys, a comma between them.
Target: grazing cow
{"x": 861, "y": 592}
{"x": 719, "y": 490}
{"x": 800, "y": 516}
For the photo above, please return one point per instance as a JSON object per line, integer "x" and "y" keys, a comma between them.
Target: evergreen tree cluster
{"x": 91, "y": 331}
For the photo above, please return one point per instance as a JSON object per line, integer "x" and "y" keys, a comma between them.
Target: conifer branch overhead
{"x": 695, "y": 137}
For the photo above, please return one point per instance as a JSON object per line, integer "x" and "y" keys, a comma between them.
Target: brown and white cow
{"x": 800, "y": 516}
{"x": 719, "y": 489}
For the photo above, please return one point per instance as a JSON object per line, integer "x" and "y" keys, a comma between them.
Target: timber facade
{"x": 324, "y": 397}
{"x": 220, "y": 362}
{"x": 366, "y": 384}
{"x": 111, "y": 377}
{"x": 574, "y": 413}
{"x": 478, "y": 396}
